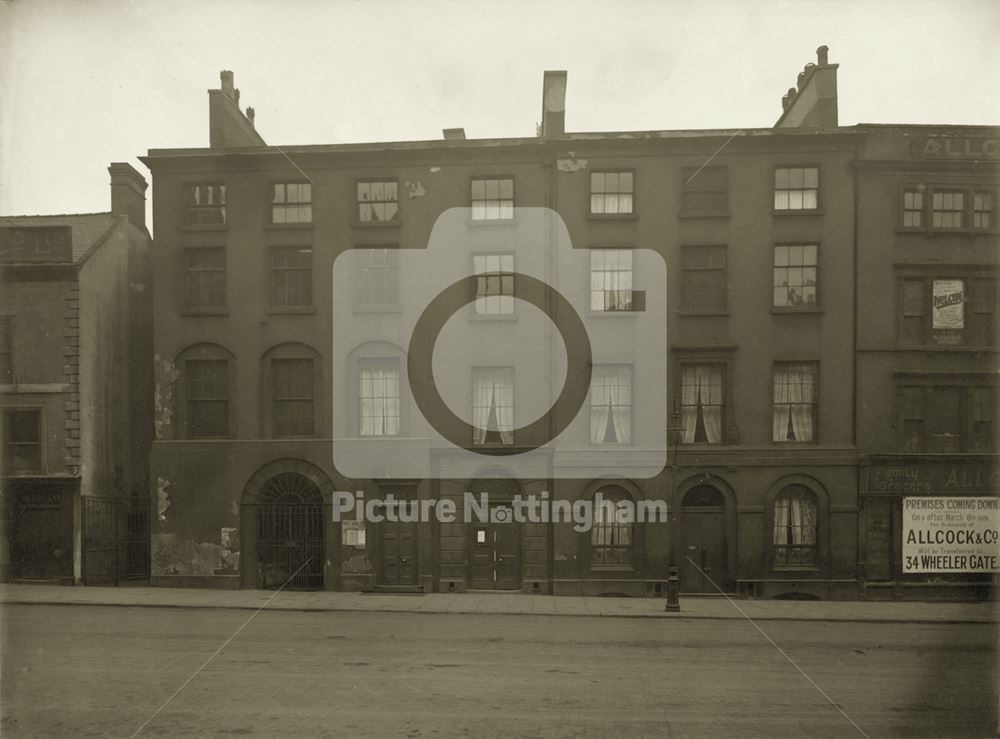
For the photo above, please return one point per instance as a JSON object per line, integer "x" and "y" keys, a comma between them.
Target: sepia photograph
{"x": 555, "y": 369}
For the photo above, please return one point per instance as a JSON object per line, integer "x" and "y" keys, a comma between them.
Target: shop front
{"x": 926, "y": 527}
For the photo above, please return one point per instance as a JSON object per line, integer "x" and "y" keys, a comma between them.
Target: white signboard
{"x": 951, "y": 534}
{"x": 949, "y": 304}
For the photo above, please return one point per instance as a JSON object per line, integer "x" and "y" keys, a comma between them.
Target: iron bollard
{"x": 672, "y": 584}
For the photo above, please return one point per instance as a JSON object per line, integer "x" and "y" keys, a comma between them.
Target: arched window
{"x": 204, "y": 393}
{"x": 291, "y": 382}
{"x": 612, "y": 537}
{"x": 795, "y": 526}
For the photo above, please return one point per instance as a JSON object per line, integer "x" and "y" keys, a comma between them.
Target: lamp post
{"x": 674, "y": 431}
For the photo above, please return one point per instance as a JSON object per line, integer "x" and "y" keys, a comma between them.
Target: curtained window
{"x": 794, "y": 401}
{"x": 494, "y": 284}
{"x": 610, "y": 279}
{"x": 702, "y": 403}
{"x": 291, "y": 202}
{"x": 378, "y": 202}
{"x": 795, "y": 514}
{"x": 493, "y": 405}
{"x": 493, "y": 199}
{"x": 796, "y": 188}
{"x": 611, "y": 405}
{"x": 611, "y": 538}
{"x": 379, "y": 397}
{"x": 611, "y": 193}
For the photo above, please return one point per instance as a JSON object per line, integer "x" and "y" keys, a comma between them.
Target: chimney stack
{"x": 453, "y": 134}
{"x": 554, "y": 103}
{"x": 812, "y": 103}
{"x": 128, "y": 193}
{"x": 227, "y": 124}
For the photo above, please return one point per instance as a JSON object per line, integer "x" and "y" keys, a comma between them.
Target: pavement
{"x": 507, "y": 604}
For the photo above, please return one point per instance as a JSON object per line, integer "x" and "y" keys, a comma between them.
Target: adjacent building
{"x": 76, "y": 390}
{"x": 927, "y": 243}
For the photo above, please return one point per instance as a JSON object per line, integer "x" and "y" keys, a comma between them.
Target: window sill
{"x": 694, "y": 214}
{"x": 701, "y": 313}
{"x": 811, "y": 309}
{"x": 376, "y": 224}
{"x": 945, "y": 347}
{"x": 290, "y": 226}
{"x": 192, "y": 227}
{"x": 923, "y": 231}
{"x": 800, "y": 212}
{"x": 612, "y": 568}
{"x": 491, "y": 222}
{"x": 613, "y": 216}
{"x": 305, "y": 310}
{"x": 501, "y": 317}
{"x": 796, "y": 568}
{"x": 613, "y": 313}
{"x": 205, "y": 312}
{"x": 362, "y": 310}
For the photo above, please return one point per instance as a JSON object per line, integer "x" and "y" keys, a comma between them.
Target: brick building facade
{"x": 75, "y": 381}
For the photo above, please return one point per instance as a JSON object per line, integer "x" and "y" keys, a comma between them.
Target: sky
{"x": 85, "y": 83}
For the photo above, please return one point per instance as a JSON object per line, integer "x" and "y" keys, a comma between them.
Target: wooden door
{"x": 495, "y": 562}
{"x": 703, "y": 551}
{"x": 398, "y": 553}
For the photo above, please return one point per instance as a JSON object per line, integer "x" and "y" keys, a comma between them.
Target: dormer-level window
{"x": 291, "y": 202}
{"x": 796, "y": 188}
{"x": 205, "y": 204}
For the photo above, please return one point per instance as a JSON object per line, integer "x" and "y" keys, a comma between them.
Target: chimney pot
{"x": 227, "y": 83}
{"x": 822, "y": 55}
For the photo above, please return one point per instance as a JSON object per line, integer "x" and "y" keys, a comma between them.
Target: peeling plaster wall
{"x": 173, "y": 556}
{"x": 166, "y": 374}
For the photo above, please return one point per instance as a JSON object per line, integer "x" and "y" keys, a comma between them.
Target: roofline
{"x": 459, "y": 144}
{"x": 59, "y": 215}
{"x": 100, "y": 240}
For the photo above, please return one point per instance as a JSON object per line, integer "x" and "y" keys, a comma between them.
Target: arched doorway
{"x": 495, "y": 544}
{"x": 284, "y": 507}
{"x": 703, "y": 552}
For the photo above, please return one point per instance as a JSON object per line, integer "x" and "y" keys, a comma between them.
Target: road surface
{"x": 104, "y": 671}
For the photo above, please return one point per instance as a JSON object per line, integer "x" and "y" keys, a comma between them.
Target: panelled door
{"x": 496, "y": 561}
{"x": 398, "y": 545}
{"x": 702, "y": 562}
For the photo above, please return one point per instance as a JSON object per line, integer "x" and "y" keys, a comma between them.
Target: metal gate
{"x": 115, "y": 537}
{"x": 100, "y": 540}
{"x": 290, "y": 546}
{"x": 136, "y": 545}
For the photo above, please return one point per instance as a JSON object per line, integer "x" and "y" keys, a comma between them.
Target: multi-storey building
{"x": 927, "y": 242}
{"x": 756, "y": 229}
{"x": 76, "y": 389}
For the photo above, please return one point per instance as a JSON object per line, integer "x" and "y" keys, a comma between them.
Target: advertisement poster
{"x": 951, "y": 534}
{"x": 949, "y": 302}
